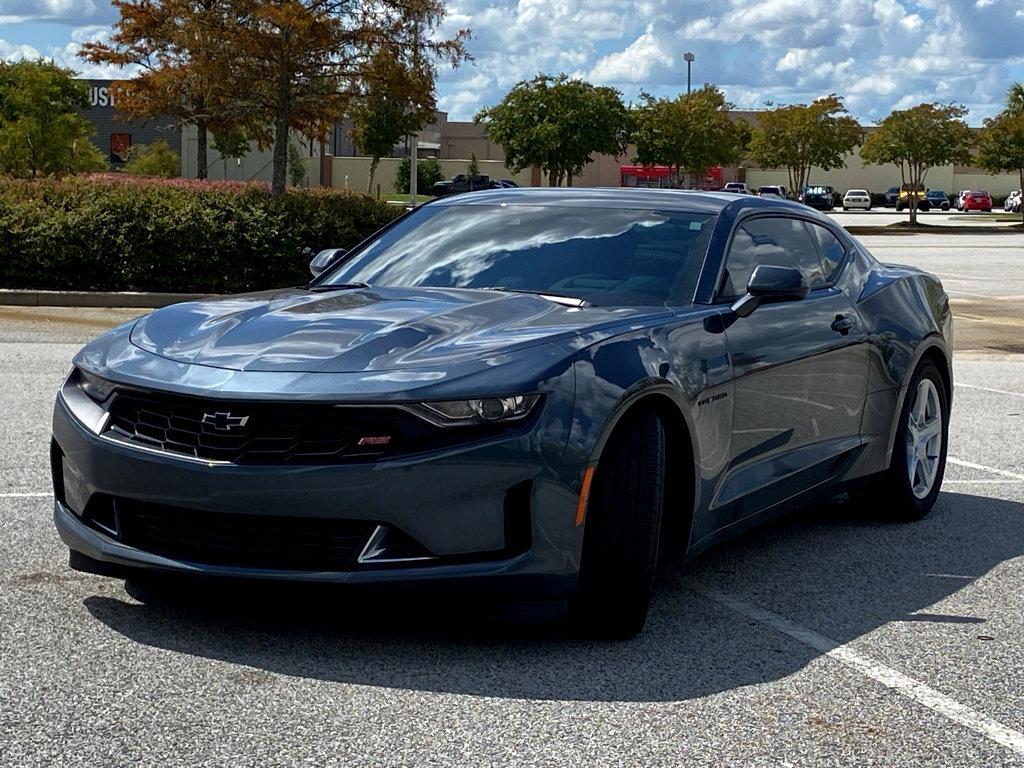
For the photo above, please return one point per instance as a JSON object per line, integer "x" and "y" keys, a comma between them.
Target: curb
{"x": 140, "y": 299}
{"x": 932, "y": 229}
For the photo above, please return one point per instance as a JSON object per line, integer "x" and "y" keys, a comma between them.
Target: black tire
{"x": 890, "y": 494}
{"x": 623, "y": 527}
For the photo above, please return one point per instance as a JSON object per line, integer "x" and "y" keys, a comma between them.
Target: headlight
{"x": 96, "y": 388}
{"x": 477, "y": 411}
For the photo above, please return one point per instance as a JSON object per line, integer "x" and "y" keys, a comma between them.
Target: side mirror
{"x": 771, "y": 283}
{"x": 325, "y": 259}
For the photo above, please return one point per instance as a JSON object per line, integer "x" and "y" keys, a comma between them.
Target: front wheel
{"x": 907, "y": 490}
{"x": 623, "y": 526}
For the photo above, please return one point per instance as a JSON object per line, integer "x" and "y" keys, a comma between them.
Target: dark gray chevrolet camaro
{"x": 527, "y": 391}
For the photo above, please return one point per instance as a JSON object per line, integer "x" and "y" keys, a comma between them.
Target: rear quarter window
{"x": 830, "y": 249}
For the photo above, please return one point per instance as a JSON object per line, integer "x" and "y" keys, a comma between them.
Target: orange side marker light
{"x": 581, "y": 506}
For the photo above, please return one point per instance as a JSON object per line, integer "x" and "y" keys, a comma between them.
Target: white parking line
{"x": 947, "y": 481}
{"x": 988, "y": 389}
{"x": 893, "y": 679}
{"x": 986, "y": 468}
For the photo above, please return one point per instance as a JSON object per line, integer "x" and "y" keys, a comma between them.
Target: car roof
{"x": 692, "y": 201}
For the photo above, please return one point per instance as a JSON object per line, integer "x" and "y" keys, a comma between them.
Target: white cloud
{"x": 16, "y": 52}
{"x": 634, "y": 64}
{"x": 69, "y": 11}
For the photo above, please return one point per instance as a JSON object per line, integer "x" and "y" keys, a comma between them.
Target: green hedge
{"x": 122, "y": 233}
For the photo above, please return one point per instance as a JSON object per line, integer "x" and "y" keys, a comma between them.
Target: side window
{"x": 774, "y": 240}
{"x": 831, "y": 250}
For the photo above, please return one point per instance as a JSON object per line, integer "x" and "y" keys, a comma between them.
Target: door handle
{"x": 843, "y": 324}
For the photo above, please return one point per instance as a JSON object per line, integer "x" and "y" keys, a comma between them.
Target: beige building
{"x": 454, "y": 142}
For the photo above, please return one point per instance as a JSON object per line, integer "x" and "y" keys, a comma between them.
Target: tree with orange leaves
{"x": 269, "y": 67}
{"x": 299, "y": 64}
{"x": 176, "y": 46}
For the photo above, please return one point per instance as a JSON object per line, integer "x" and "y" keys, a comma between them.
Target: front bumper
{"x": 454, "y": 503}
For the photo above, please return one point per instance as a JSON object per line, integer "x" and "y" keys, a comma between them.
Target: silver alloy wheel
{"x": 924, "y": 438}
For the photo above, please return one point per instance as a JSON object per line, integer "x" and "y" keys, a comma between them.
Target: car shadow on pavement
{"x": 829, "y": 568}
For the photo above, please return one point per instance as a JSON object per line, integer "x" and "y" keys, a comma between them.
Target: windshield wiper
{"x": 571, "y": 301}
{"x": 337, "y": 286}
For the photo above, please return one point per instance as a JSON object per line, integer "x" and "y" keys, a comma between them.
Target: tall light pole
{"x": 689, "y": 61}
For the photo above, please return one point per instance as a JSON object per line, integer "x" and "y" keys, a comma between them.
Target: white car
{"x": 740, "y": 187}
{"x": 857, "y": 199}
{"x": 1013, "y": 202}
{"x": 959, "y": 203}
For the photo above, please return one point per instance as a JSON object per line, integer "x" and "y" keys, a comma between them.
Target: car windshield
{"x": 816, "y": 191}
{"x": 936, "y": 194}
{"x": 857, "y": 192}
{"x": 604, "y": 256}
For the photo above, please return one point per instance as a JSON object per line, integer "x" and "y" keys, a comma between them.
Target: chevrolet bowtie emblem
{"x": 224, "y": 420}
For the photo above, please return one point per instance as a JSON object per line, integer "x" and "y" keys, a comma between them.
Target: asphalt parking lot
{"x": 831, "y": 637}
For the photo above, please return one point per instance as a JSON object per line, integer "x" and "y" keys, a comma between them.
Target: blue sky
{"x": 878, "y": 54}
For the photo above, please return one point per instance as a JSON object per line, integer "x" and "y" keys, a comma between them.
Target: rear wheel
{"x": 623, "y": 525}
{"x": 908, "y": 489}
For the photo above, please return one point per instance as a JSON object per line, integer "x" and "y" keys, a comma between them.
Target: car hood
{"x": 371, "y": 329}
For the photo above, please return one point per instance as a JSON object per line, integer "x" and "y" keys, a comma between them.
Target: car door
{"x": 799, "y": 367}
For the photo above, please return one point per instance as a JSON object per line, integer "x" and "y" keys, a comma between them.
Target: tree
{"x": 691, "y": 132}
{"x": 296, "y": 165}
{"x": 296, "y": 65}
{"x": 231, "y": 143}
{"x": 428, "y": 171}
{"x": 40, "y": 131}
{"x": 178, "y": 49}
{"x": 472, "y": 169}
{"x": 387, "y": 108}
{"x": 557, "y": 124}
{"x": 799, "y": 137}
{"x": 1001, "y": 146}
{"x": 1015, "y": 97}
{"x": 917, "y": 139}
{"x": 156, "y": 159}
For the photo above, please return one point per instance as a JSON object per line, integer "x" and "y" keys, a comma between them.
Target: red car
{"x": 977, "y": 200}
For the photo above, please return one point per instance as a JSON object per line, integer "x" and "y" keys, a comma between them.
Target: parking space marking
{"x": 986, "y": 468}
{"x": 967, "y": 293}
{"x": 988, "y": 482}
{"x": 988, "y": 389}
{"x": 889, "y": 677}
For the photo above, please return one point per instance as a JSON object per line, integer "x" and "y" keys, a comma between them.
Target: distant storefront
{"x": 666, "y": 176}
{"x": 114, "y": 136}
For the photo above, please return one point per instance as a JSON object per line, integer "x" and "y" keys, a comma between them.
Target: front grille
{"x": 270, "y": 433}
{"x": 231, "y": 539}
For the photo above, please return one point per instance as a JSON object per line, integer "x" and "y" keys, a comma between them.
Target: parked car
{"x": 740, "y": 187}
{"x": 918, "y": 191}
{"x": 977, "y": 200}
{"x": 857, "y": 199}
{"x": 892, "y": 196}
{"x": 1012, "y": 203}
{"x": 959, "y": 203}
{"x": 489, "y": 393}
{"x": 505, "y": 183}
{"x": 935, "y": 199}
{"x": 818, "y": 196}
{"x": 461, "y": 183}
{"x": 776, "y": 190}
